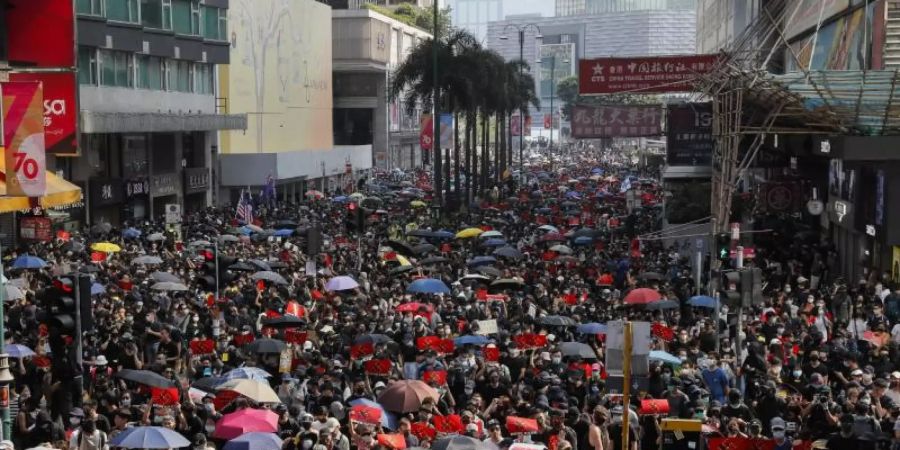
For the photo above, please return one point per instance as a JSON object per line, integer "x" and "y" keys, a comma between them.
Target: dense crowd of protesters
{"x": 819, "y": 361}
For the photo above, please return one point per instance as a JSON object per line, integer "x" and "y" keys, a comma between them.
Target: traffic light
{"x": 210, "y": 267}
{"x": 84, "y": 303}
{"x": 730, "y": 291}
{"x": 723, "y": 245}
{"x": 61, "y": 308}
{"x": 751, "y": 287}
{"x": 356, "y": 217}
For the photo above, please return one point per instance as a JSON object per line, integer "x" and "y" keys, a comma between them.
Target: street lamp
{"x": 552, "y": 95}
{"x": 521, "y": 29}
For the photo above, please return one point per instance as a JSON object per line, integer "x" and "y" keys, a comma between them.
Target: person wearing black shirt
{"x": 736, "y": 408}
{"x": 843, "y": 439}
{"x": 615, "y": 432}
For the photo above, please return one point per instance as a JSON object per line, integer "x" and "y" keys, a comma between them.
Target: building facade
{"x": 719, "y": 22}
{"x": 582, "y": 7}
{"x": 475, "y": 15}
{"x": 149, "y": 105}
{"x": 570, "y": 38}
{"x": 368, "y": 47}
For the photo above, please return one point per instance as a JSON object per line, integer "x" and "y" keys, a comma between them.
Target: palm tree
{"x": 415, "y": 78}
{"x": 520, "y": 93}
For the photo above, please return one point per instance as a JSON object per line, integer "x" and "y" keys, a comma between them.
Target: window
{"x": 203, "y": 79}
{"x": 89, "y": 7}
{"x": 150, "y": 72}
{"x": 185, "y": 16}
{"x": 116, "y": 69}
{"x": 179, "y": 73}
{"x": 87, "y": 65}
{"x": 152, "y": 13}
{"x": 214, "y": 24}
{"x": 123, "y": 10}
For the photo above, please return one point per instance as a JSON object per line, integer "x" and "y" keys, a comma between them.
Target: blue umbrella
{"x": 470, "y": 339}
{"x": 665, "y": 357}
{"x": 388, "y": 419}
{"x": 428, "y": 286}
{"x": 583, "y": 240}
{"x": 150, "y": 438}
{"x": 245, "y": 231}
{"x": 573, "y": 194}
{"x": 591, "y": 328}
{"x": 283, "y": 233}
{"x": 494, "y": 242}
{"x": 248, "y": 373}
{"x": 28, "y": 262}
{"x": 508, "y": 252}
{"x": 597, "y": 171}
{"x": 18, "y": 351}
{"x": 481, "y": 261}
{"x": 340, "y": 199}
{"x": 443, "y": 234}
{"x": 131, "y": 233}
{"x": 254, "y": 440}
{"x": 97, "y": 289}
{"x": 702, "y": 301}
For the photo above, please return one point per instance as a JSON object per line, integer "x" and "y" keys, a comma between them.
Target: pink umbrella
{"x": 245, "y": 421}
{"x": 642, "y": 296}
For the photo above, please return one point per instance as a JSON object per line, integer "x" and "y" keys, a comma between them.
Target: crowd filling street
{"x": 483, "y": 330}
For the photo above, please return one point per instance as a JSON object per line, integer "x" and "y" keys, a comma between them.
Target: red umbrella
{"x": 414, "y": 307}
{"x": 519, "y": 425}
{"x": 245, "y": 421}
{"x": 406, "y": 395}
{"x": 642, "y": 296}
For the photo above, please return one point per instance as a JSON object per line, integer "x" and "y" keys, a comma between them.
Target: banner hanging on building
{"x": 23, "y": 134}
{"x": 60, "y": 110}
{"x": 689, "y": 141}
{"x": 644, "y": 74}
{"x": 515, "y": 125}
{"x": 603, "y": 121}
{"x": 41, "y": 33}
{"x": 446, "y": 130}
{"x": 426, "y": 133}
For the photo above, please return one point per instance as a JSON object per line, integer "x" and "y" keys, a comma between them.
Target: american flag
{"x": 244, "y": 211}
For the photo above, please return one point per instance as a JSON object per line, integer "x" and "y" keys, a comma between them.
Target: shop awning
{"x": 59, "y": 193}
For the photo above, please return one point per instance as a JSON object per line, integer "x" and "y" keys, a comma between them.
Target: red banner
{"x": 529, "y": 341}
{"x": 361, "y": 350}
{"x": 295, "y": 336}
{"x": 23, "y": 132}
{"x": 437, "y": 377}
{"x": 736, "y": 443}
{"x": 41, "y": 33}
{"x": 435, "y": 343}
{"x": 365, "y": 414}
{"x": 616, "y": 121}
{"x": 164, "y": 396}
{"x": 663, "y": 332}
{"x": 426, "y": 135}
{"x": 60, "y": 110}
{"x": 243, "y": 339}
{"x": 491, "y": 354}
{"x": 448, "y": 424}
{"x": 646, "y": 74}
{"x": 36, "y": 229}
{"x": 654, "y": 406}
{"x": 202, "y": 347}
{"x": 422, "y": 431}
{"x": 395, "y": 441}
{"x": 378, "y": 367}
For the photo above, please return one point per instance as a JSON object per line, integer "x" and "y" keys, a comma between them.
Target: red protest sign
{"x": 436, "y": 377}
{"x": 164, "y": 396}
{"x": 529, "y": 341}
{"x": 423, "y": 431}
{"x": 445, "y": 346}
{"x": 377, "y": 367}
{"x": 427, "y": 343}
{"x": 491, "y": 354}
{"x": 448, "y": 424}
{"x": 365, "y": 414}
{"x": 395, "y": 441}
{"x": 243, "y": 339}
{"x": 295, "y": 336}
{"x": 361, "y": 350}
{"x": 661, "y": 331}
{"x": 202, "y": 347}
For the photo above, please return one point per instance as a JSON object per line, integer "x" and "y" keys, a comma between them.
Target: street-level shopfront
{"x": 196, "y": 186}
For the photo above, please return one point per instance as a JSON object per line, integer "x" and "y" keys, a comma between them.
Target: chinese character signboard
{"x": 36, "y": 229}
{"x": 689, "y": 138}
{"x": 196, "y": 179}
{"x": 591, "y": 122}
{"x": 106, "y": 191}
{"x": 140, "y": 186}
{"x": 164, "y": 184}
{"x": 23, "y": 134}
{"x": 642, "y": 74}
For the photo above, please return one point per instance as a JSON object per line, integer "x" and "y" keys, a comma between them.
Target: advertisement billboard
{"x": 23, "y": 134}
{"x": 60, "y": 110}
{"x": 41, "y": 33}
{"x": 592, "y": 122}
{"x": 426, "y": 131}
{"x": 646, "y": 74}
{"x": 280, "y": 75}
{"x": 689, "y": 140}
{"x": 446, "y": 130}
{"x": 515, "y": 124}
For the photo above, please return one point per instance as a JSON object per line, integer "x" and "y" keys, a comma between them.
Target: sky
{"x": 545, "y": 7}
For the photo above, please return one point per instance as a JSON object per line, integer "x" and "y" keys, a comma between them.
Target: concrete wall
{"x": 129, "y": 100}
{"x": 252, "y": 169}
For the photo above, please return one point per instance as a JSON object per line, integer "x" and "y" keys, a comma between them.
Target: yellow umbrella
{"x": 417, "y": 204}
{"x": 397, "y": 258}
{"x": 469, "y": 233}
{"x": 106, "y": 247}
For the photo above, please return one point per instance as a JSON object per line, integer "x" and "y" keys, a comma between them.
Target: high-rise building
{"x": 474, "y": 15}
{"x": 580, "y": 7}
{"x": 719, "y": 22}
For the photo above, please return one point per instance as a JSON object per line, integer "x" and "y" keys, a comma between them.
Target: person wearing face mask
{"x": 88, "y": 437}
{"x": 779, "y": 434}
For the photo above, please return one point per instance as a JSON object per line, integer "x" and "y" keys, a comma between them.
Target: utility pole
{"x": 521, "y": 29}
{"x": 436, "y": 118}
{"x": 626, "y": 386}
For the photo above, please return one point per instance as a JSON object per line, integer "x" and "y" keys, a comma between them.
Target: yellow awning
{"x": 59, "y": 193}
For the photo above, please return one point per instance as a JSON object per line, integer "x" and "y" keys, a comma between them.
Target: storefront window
{"x": 134, "y": 156}
{"x": 203, "y": 79}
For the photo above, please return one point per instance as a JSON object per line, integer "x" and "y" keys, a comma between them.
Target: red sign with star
{"x": 644, "y": 74}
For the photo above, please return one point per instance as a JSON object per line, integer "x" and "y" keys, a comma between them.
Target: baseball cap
{"x": 895, "y": 375}
{"x": 777, "y": 424}
{"x": 856, "y": 373}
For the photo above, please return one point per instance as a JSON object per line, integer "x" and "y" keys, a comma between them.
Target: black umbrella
{"x": 507, "y": 283}
{"x": 165, "y": 276}
{"x": 277, "y": 265}
{"x": 74, "y": 246}
{"x": 650, "y": 276}
{"x": 558, "y": 321}
{"x": 287, "y": 321}
{"x": 508, "y": 252}
{"x": 577, "y": 350}
{"x": 433, "y": 260}
{"x": 266, "y": 346}
{"x": 661, "y": 305}
{"x": 145, "y": 377}
{"x": 262, "y": 265}
{"x": 243, "y": 266}
{"x": 401, "y": 247}
{"x": 101, "y": 228}
{"x": 282, "y": 224}
{"x": 208, "y": 384}
{"x": 89, "y": 269}
{"x": 400, "y": 269}
{"x": 422, "y": 249}
{"x": 373, "y": 339}
{"x": 490, "y": 271}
